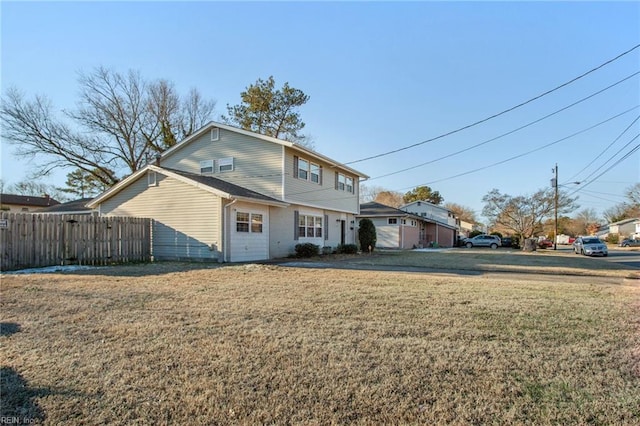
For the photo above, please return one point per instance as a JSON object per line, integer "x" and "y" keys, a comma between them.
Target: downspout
{"x": 226, "y": 232}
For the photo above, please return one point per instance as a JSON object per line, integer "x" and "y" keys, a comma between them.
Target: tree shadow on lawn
{"x": 17, "y": 398}
{"x": 9, "y": 328}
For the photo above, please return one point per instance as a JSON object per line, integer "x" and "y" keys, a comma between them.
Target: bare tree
{"x": 390, "y": 198}
{"x": 36, "y": 189}
{"x": 462, "y": 212}
{"x": 583, "y": 220}
{"x": 524, "y": 215}
{"x": 119, "y": 120}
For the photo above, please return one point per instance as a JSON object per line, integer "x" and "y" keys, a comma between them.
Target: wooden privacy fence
{"x": 36, "y": 240}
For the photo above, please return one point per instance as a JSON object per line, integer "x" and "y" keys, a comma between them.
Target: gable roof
{"x": 624, "y": 221}
{"x": 75, "y": 206}
{"x": 28, "y": 200}
{"x": 376, "y": 209}
{"x": 306, "y": 151}
{"x": 210, "y": 184}
{"x": 373, "y": 209}
{"x": 422, "y": 202}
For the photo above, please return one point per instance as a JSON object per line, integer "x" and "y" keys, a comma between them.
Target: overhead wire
{"x": 536, "y": 149}
{"x": 620, "y": 160}
{"x": 499, "y": 162}
{"x": 509, "y": 132}
{"x": 497, "y": 114}
{"x": 606, "y": 149}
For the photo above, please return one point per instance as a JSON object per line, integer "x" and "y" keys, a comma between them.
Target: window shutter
{"x": 326, "y": 226}
{"x": 336, "y": 180}
{"x": 320, "y": 176}
{"x": 296, "y": 230}
{"x": 295, "y": 170}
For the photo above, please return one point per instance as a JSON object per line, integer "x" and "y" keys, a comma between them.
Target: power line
{"x": 510, "y": 132}
{"x": 498, "y": 114}
{"x": 620, "y": 160}
{"x": 499, "y": 162}
{"x": 536, "y": 149}
{"x": 606, "y": 149}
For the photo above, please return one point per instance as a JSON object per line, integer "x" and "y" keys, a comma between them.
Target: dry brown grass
{"x": 154, "y": 344}
{"x": 502, "y": 260}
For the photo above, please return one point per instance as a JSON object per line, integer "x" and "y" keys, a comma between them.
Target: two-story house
{"x": 232, "y": 195}
{"x": 442, "y": 226}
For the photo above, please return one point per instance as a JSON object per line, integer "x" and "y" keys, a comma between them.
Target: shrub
{"x": 347, "y": 249}
{"x": 613, "y": 238}
{"x": 307, "y": 250}
{"x": 475, "y": 233}
{"x": 367, "y": 235}
{"x": 498, "y": 234}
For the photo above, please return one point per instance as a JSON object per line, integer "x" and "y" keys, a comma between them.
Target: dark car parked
{"x": 628, "y": 242}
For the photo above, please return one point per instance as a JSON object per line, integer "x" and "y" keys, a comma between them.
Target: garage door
{"x": 249, "y": 234}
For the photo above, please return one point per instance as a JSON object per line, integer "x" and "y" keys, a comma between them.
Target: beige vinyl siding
{"x": 282, "y": 223}
{"x": 186, "y": 220}
{"x": 257, "y": 163}
{"x": 316, "y": 195}
{"x": 249, "y": 245}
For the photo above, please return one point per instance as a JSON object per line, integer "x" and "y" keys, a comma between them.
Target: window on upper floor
{"x": 307, "y": 170}
{"x": 344, "y": 183}
{"x": 225, "y": 164}
{"x": 206, "y": 166}
{"x": 392, "y": 221}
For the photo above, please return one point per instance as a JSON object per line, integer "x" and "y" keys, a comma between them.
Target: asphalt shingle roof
{"x": 224, "y": 186}
{"x": 27, "y": 200}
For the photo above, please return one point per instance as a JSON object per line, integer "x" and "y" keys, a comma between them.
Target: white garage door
{"x": 249, "y": 234}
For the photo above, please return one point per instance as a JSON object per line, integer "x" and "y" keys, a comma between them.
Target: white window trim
{"x": 152, "y": 179}
{"x": 307, "y": 171}
{"x": 250, "y": 222}
{"x": 206, "y": 164}
{"x": 215, "y": 134}
{"x": 225, "y": 162}
{"x": 316, "y": 220}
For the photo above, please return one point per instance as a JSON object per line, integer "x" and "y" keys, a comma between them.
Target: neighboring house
{"x": 70, "y": 207}
{"x": 25, "y": 203}
{"x": 232, "y": 195}
{"x": 442, "y": 226}
{"x": 636, "y": 234}
{"x": 465, "y": 228}
{"x": 397, "y": 228}
{"x": 624, "y": 227}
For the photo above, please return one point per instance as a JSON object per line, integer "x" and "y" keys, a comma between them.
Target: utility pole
{"x": 554, "y": 184}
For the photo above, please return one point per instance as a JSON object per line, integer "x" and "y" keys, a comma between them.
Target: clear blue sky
{"x": 381, "y": 76}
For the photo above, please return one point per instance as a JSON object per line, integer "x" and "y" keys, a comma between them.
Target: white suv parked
{"x": 483, "y": 240}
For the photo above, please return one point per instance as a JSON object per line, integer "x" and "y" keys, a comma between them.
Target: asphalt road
{"x": 620, "y": 256}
